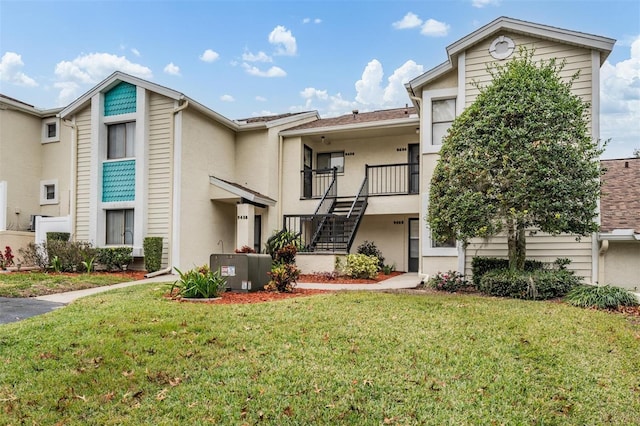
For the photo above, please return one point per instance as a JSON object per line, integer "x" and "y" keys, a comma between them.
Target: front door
{"x": 307, "y": 184}
{"x": 414, "y": 168}
{"x": 414, "y": 241}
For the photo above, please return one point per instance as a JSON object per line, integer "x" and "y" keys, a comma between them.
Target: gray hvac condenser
{"x": 243, "y": 271}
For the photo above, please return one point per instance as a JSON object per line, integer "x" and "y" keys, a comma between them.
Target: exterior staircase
{"x": 336, "y": 231}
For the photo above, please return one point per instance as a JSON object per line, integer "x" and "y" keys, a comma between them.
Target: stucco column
{"x": 244, "y": 225}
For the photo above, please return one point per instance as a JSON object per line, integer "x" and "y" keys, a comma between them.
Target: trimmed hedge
{"x": 152, "y": 253}
{"x": 58, "y": 236}
{"x": 482, "y": 265}
{"x": 540, "y": 284}
{"x": 114, "y": 258}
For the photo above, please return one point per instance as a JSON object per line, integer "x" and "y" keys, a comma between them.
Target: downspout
{"x": 176, "y": 110}
{"x": 72, "y": 173}
{"x": 280, "y": 160}
{"x": 604, "y": 247}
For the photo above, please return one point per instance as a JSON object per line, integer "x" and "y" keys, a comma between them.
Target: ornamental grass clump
{"x": 199, "y": 283}
{"x": 450, "y": 281}
{"x": 601, "y": 297}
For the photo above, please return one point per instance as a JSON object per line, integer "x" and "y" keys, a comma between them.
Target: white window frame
{"x": 132, "y": 148}
{"x": 124, "y": 210}
{"x": 330, "y": 153}
{"x": 429, "y": 96}
{"x": 45, "y": 130}
{"x": 43, "y": 192}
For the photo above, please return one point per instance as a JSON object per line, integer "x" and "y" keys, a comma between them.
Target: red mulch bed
{"x": 232, "y": 298}
{"x": 342, "y": 279}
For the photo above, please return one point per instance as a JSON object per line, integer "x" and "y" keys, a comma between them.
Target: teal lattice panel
{"x": 119, "y": 181}
{"x": 120, "y": 100}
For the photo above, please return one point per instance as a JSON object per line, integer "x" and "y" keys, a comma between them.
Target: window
{"x": 119, "y": 227}
{"x": 450, "y": 243}
{"x": 49, "y": 191}
{"x": 329, "y": 160}
{"x": 50, "y": 130}
{"x": 443, "y": 112}
{"x": 121, "y": 140}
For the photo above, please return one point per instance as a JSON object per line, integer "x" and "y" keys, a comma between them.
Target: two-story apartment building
{"x": 136, "y": 159}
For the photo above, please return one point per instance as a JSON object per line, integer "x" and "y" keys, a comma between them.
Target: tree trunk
{"x": 517, "y": 244}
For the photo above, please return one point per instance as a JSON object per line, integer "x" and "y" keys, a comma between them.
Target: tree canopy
{"x": 521, "y": 156}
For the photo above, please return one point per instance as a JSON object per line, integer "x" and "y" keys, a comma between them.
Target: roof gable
{"x": 604, "y": 45}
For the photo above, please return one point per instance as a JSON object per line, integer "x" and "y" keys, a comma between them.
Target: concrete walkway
{"x": 70, "y": 296}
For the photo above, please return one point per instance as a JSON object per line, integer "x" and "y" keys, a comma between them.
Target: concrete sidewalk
{"x": 407, "y": 280}
{"x": 70, "y": 296}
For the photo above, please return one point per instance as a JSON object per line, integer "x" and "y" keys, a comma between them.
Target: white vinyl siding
{"x": 159, "y": 170}
{"x": 543, "y": 247}
{"x": 577, "y": 58}
{"x": 83, "y": 176}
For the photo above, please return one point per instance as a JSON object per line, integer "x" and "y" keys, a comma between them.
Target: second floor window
{"x": 443, "y": 112}
{"x": 121, "y": 140}
{"x": 329, "y": 160}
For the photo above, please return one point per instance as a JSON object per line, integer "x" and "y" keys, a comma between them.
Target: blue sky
{"x": 243, "y": 58}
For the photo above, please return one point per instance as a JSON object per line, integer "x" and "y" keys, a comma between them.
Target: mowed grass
{"x": 132, "y": 357}
{"x": 30, "y": 284}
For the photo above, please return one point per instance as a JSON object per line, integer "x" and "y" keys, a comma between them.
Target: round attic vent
{"x": 502, "y": 47}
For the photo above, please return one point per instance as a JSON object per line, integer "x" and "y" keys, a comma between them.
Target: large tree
{"x": 520, "y": 157}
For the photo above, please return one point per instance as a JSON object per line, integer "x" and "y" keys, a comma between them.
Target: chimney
{"x": 355, "y": 113}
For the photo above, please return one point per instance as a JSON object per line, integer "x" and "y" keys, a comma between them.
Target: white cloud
{"x": 434, "y": 28}
{"x": 90, "y": 69}
{"x": 209, "y": 56}
{"x": 271, "y": 72}
{"x": 261, "y": 99}
{"x": 310, "y": 93}
{"x": 371, "y": 92}
{"x": 309, "y": 20}
{"x": 10, "y": 66}
{"x": 306, "y": 20}
{"x": 410, "y": 20}
{"x": 317, "y": 21}
{"x": 620, "y": 103}
{"x": 482, "y": 3}
{"x": 369, "y": 86}
{"x": 395, "y": 92}
{"x": 172, "y": 69}
{"x": 283, "y": 40}
{"x": 135, "y": 51}
{"x": 259, "y": 57}
{"x": 227, "y": 98}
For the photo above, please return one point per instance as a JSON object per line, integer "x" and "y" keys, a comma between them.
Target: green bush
{"x": 115, "y": 258}
{"x": 482, "y": 265}
{"x": 601, "y": 297}
{"x": 281, "y": 239}
{"x": 58, "y": 236}
{"x": 540, "y": 284}
{"x": 361, "y": 266}
{"x": 370, "y": 249}
{"x": 284, "y": 277}
{"x": 69, "y": 256}
{"x": 34, "y": 255}
{"x": 449, "y": 281}
{"x": 199, "y": 283}
{"x": 286, "y": 254}
{"x": 152, "y": 253}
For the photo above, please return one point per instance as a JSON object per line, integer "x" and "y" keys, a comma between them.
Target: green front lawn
{"x": 132, "y": 357}
{"x": 30, "y": 284}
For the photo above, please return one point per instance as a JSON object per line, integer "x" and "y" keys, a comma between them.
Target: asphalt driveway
{"x": 16, "y": 309}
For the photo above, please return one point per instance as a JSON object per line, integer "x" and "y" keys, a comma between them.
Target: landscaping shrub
{"x": 482, "y": 265}
{"x": 449, "y": 281}
{"x": 152, "y": 253}
{"x": 601, "y": 297}
{"x": 58, "y": 236}
{"x": 284, "y": 277}
{"x": 533, "y": 285}
{"x": 361, "y": 266}
{"x": 34, "y": 255}
{"x": 280, "y": 239}
{"x": 115, "y": 258}
{"x": 69, "y": 256}
{"x": 6, "y": 259}
{"x": 286, "y": 254}
{"x": 245, "y": 249}
{"x": 199, "y": 283}
{"x": 370, "y": 249}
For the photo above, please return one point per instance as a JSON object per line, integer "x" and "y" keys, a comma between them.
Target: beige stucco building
{"x": 131, "y": 159}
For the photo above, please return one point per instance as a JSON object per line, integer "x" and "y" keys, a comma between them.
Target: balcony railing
{"x": 394, "y": 179}
{"x": 320, "y": 232}
{"x": 316, "y": 182}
